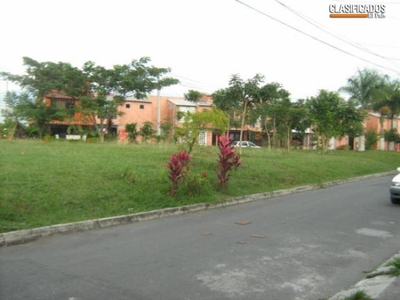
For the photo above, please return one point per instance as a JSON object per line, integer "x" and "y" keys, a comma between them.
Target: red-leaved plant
{"x": 228, "y": 160}
{"x": 178, "y": 166}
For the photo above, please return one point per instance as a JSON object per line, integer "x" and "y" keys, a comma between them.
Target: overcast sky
{"x": 204, "y": 42}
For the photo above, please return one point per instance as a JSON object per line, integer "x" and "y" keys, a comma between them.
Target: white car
{"x": 245, "y": 144}
{"x": 395, "y": 189}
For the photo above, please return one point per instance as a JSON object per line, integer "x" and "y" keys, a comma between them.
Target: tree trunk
{"x": 268, "y": 135}
{"x": 101, "y": 136}
{"x": 323, "y": 143}
{"x": 10, "y": 137}
{"x": 241, "y": 128}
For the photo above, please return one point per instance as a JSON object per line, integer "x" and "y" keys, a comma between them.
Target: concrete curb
{"x": 28, "y": 235}
{"x": 374, "y": 284}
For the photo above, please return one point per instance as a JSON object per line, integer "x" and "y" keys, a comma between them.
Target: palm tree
{"x": 389, "y": 102}
{"x": 362, "y": 89}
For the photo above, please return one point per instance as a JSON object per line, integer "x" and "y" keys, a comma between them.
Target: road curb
{"x": 374, "y": 283}
{"x": 28, "y": 235}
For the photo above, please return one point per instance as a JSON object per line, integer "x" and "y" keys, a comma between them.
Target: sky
{"x": 205, "y": 42}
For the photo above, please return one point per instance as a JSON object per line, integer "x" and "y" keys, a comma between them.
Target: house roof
{"x": 58, "y": 95}
{"x": 378, "y": 115}
{"x": 133, "y": 99}
{"x": 76, "y": 122}
{"x": 183, "y": 102}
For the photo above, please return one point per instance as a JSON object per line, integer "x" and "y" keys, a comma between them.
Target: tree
{"x": 294, "y": 116}
{"x": 275, "y": 104}
{"x": 147, "y": 131}
{"x": 100, "y": 90}
{"x": 132, "y": 131}
{"x": 166, "y": 128}
{"x": 332, "y": 116}
{"x": 226, "y": 104}
{"x": 43, "y": 77}
{"x": 388, "y": 104}
{"x": 37, "y": 114}
{"x": 10, "y": 115}
{"x": 193, "y": 96}
{"x": 106, "y": 89}
{"x": 241, "y": 94}
{"x": 195, "y": 123}
{"x": 362, "y": 89}
{"x": 40, "y": 79}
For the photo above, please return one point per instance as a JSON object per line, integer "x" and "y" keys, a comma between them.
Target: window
{"x": 184, "y": 109}
{"x": 202, "y": 138}
{"x": 127, "y": 106}
{"x": 141, "y": 106}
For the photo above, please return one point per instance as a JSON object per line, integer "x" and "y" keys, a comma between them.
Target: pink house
{"x": 140, "y": 111}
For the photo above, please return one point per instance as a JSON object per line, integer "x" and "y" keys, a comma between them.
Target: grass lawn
{"x": 62, "y": 181}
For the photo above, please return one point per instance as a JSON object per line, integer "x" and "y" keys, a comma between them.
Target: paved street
{"x": 303, "y": 246}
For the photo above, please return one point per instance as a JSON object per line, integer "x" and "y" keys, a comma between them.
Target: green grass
{"x": 360, "y": 295}
{"x": 57, "y": 182}
{"x": 395, "y": 264}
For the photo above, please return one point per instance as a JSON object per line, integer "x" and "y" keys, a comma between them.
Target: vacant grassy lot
{"x": 57, "y": 182}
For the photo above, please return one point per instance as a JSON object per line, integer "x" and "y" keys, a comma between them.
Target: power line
{"x": 348, "y": 41}
{"x": 190, "y": 83}
{"x": 313, "y": 37}
{"x": 360, "y": 1}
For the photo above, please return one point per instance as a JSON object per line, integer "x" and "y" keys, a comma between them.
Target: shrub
{"x": 392, "y": 135}
{"x": 228, "y": 160}
{"x": 194, "y": 185}
{"x": 132, "y": 131}
{"x": 178, "y": 166}
{"x": 371, "y": 138}
{"x": 147, "y": 132}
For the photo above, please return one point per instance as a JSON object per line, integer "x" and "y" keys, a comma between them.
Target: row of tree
{"x": 328, "y": 114}
{"x": 101, "y": 91}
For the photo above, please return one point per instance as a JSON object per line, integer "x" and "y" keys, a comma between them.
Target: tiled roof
{"x": 78, "y": 122}
{"x": 182, "y": 102}
{"x": 132, "y": 99}
{"x": 58, "y": 95}
{"x": 378, "y": 115}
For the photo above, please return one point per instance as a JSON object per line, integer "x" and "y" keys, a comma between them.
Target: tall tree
{"x": 100, "y": 90}
{"x": 362, "y": 89}
{"x": 227, "y": 104}
{"x": 10, "y": 114}
{"x": 39, "y": 80}
{"x": 388, "y": 105}
{"x": 241, "y": 94}
{"x": 193, "y": 96}
{"x": 332, "y": 116}
{"x": 106, "y": 89}
{"x": 273, "y": 107}
{"x": 38, "y": 114}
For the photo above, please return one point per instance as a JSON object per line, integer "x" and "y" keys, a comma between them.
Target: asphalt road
{"x": 303, "y": 246}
